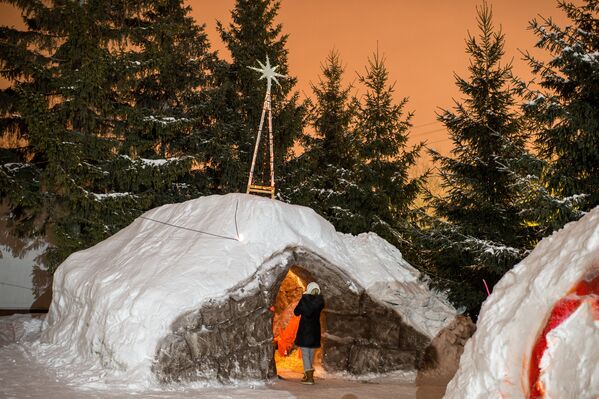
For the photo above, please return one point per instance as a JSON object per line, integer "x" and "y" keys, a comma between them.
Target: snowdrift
{"x": 183, "y": 293}
{"x": 538, "y": 333}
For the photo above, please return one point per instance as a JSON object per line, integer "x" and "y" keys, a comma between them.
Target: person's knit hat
{"x": 311, "y": 287}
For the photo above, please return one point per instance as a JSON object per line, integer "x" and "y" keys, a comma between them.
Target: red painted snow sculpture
{"x": 586, "y": 290}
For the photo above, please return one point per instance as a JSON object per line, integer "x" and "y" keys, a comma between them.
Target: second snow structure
{"x": 185, "y": 305}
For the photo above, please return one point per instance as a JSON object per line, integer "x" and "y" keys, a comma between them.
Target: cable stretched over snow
{"x": 236, "y": 228}
{"x": 187, "y": 228}
{"x": 200, "y": 231}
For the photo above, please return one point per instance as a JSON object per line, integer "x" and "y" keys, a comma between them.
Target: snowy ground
{"x": 23, "y": 375}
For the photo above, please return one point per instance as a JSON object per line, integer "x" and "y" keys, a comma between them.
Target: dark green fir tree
{"x": 253, "y": 35}
{"x": 387, "y": 191}
{"x": 77, "y": 92}
{"x": 480, "y": 232}
{"x": 65, "y": 106}
{"x": 169, "y": 127}
{"x": 324, "y": 176}
{"x": 566, "y": 107}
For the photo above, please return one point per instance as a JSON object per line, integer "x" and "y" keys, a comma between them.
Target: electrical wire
{"x": 439, "y": 141}
{"x": 190, "y": 229}
{"x": 425, "y": 124}
{"x": 15, "y": 285}
{"x": 427, "y": 133}
{"x": 236, "y": 227}
{"x": 200, "y": 231}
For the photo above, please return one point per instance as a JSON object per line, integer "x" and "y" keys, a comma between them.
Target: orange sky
{"x": 423, "y": 42}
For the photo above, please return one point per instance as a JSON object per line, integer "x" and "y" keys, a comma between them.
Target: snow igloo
{"x": 188, "y": 292}
{"x": 538, "y": 333}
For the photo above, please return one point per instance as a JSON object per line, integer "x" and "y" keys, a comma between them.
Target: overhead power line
{"x": 427, "y": 133}
{"x": 439, "y": 141}
{"x": 425, "y": 124}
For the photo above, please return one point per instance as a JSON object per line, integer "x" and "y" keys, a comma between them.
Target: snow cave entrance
{"x": 284, "y": 327}
{"x": 234, "y": 338}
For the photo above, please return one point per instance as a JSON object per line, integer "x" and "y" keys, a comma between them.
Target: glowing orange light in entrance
{"x": 285, "y": 324}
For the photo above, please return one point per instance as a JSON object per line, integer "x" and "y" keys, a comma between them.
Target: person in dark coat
{"x": 308, "y": 332}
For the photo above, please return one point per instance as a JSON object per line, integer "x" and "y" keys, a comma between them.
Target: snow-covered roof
{"x": 113, "y": 302}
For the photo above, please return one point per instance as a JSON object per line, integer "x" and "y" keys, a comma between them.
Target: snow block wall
{"x": 184, "y": 292}
{"x": 538, "y": 333}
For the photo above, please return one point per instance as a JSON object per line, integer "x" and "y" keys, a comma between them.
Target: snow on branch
{"x": 165, "y": 120}
{"x": 146, "y": 162}
{"x": 102, "y": 197}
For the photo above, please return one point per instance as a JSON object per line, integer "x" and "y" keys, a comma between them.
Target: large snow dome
{"x": 185, "y": 292}
{"x": 538, "y": 333}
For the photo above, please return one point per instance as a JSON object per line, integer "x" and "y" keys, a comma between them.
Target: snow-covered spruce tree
{"x": 65, "y": 106}
{"x": 566, "y": 108}
{"x": 252, "y": 35}
{"x": 480, "y": 232}
{"x": 324, "y": 176}
{"x": 386, "y": 191}
{"x": 70, "y": 107}
{"x": 168, "y": 131}
{"x": 24, "y": 207}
